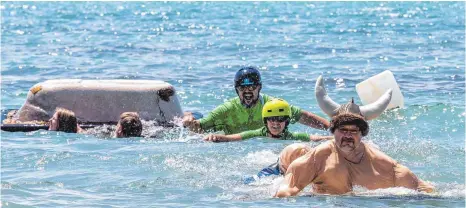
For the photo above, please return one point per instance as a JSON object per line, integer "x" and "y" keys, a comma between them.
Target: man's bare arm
{"x": 222, "y": 138}
{"x": 299, "y": 174}
{"x": 314, "y": 121}
{"x": 405, "y": 178}
{"x": 285, "y": 190}
{"x": 317, "y": 138}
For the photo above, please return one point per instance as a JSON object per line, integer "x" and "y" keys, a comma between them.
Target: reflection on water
{"x": 197, "y": 47}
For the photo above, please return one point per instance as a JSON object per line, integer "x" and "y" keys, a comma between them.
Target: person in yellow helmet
{"x": 276, "y": 115}
{"x": 243, "y": 113}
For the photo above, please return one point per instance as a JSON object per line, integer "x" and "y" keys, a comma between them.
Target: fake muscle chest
{"x": 338, "y": 176}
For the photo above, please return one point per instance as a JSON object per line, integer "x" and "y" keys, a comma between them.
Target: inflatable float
{"x": 373, "y": 88}
{"x": 95, "y": 102}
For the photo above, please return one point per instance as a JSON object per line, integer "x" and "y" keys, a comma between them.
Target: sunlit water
{"x": 197, "y": 47}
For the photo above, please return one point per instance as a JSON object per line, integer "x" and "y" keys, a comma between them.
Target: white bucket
{"x": 102, "y": 100}
{"x": 371, "y": 89}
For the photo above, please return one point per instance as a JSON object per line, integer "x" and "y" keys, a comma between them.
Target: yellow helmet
{"x": 276, "y": 107}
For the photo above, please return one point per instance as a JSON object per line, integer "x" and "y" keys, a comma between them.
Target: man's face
{"x": 118, "y": 130}
{"x": 347, "y": 137}
{"x": 53, "y": 122}
{"x": 248, "y": 94}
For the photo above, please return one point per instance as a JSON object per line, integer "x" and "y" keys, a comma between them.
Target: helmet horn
{"x": 332, "y": 108}
{"x": 325, "y": 102}
{"x": 371, "y": 111}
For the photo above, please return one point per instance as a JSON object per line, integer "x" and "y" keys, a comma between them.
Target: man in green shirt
{"x": 245, "y": 111}
{"x": 276, "y": 116}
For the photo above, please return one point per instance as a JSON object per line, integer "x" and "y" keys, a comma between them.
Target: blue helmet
{"x": 248, "y": 76}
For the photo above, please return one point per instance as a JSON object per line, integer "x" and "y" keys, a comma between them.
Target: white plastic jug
{"x": 371, "y": 89}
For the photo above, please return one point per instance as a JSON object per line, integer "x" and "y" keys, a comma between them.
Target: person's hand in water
{"x": 317, "y": 138}
{"x": 222, "y": 138}
{"x": 211, "y": 138}
{"x": 190, "y": 122}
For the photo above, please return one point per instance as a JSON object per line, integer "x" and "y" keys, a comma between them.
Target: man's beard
{"x": 249, "y": 96}
{"x": 347, "y": 143}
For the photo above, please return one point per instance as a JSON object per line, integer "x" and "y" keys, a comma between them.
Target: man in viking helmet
{"x": 336, "y": 166}
{"x": 291, "y": 152}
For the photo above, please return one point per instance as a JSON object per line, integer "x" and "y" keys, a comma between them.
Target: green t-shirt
{"x": 262, "y": 132}
{"x": 232, "y": 117}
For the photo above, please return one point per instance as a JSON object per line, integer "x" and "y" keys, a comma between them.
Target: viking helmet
{"x": 332, "y": 108}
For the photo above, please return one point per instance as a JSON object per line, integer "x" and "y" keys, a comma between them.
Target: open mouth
{"x": 248, "y": 96}
{"x": 349, "y": 142}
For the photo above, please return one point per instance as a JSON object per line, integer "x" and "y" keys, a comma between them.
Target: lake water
{"x": 197, "y": 47}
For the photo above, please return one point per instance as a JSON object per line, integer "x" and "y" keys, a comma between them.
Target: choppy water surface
{"x": 197, "y": 47}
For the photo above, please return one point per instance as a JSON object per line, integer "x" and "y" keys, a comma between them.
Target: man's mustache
{"x": 347, "y": 139}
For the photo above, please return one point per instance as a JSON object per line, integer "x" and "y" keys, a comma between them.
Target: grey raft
{"x": 95, "y": 102}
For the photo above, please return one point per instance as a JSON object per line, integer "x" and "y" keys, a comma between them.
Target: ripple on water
{"x": 197, "y": 47}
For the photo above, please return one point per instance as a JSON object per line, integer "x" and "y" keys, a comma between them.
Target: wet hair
{"x": 130, "y": 124}
{"x": 349, "y": 119}
{"x": 67, "y": 121}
